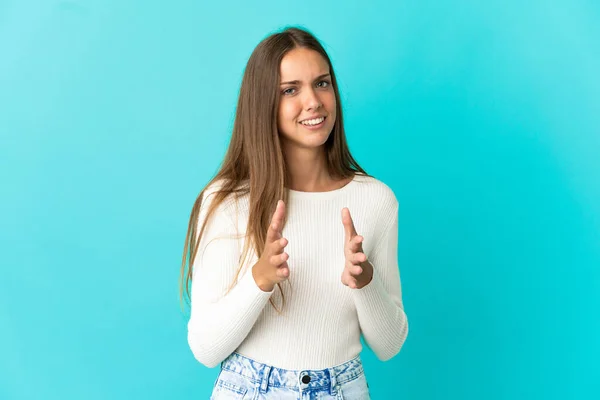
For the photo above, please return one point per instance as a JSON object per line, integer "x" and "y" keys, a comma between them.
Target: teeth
{"x": 315, "y": 121}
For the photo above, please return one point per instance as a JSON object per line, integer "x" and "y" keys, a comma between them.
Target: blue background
{"x": 483, "y": 117}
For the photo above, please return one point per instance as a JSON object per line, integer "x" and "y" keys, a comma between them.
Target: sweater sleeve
{"x": 379, "y": 304}
{"x": 219, "y": 322}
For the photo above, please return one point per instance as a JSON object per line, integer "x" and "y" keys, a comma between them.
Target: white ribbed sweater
{"x": 322, "y": 319}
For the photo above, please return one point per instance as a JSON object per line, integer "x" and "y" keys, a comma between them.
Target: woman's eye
{"x": 288, "y": 91}
{"x": 325, "y": 82}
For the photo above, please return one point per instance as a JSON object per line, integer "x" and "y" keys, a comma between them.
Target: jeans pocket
{"x": 230, "y": 386}
{"x": 355, "y": 389}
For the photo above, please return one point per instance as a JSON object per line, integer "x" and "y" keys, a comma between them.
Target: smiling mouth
{"x": 313, "y": 122}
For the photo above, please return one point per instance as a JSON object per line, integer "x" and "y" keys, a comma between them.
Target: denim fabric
{"x": 244, "y": 378}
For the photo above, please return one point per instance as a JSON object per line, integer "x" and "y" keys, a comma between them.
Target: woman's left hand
{"x": 358, "y": 272}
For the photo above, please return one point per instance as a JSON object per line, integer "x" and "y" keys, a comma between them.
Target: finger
{"x": 345, "y": 277}
{"x": 283, "y": 272}
{"x": 352, "y": 284}
{"x": 278, "y": 259}
{"x": 348, "y": 223}
{"x": 358, "y": 258}
{"x": 356, "y": 243}
{"x": 280, "y": 214}
{"x": 274, "y": 231}
{"x": 352, "y": 247}
{"x": 281, "y": 243}
{"x": 355, "y": 270}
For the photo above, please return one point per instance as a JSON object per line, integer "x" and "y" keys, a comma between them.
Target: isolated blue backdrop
{"x": 483, "y": 117}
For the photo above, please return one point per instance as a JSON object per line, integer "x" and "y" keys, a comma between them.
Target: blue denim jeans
{"x": 244, "y": 378}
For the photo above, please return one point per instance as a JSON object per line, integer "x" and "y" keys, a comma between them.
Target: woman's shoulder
{"x": 210, "y": 192}
{"x": 376, "y": 189}
{"x": 211, "y": 189}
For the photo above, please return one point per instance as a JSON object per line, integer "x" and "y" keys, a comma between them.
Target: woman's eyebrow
{"x": 296, "y": 82}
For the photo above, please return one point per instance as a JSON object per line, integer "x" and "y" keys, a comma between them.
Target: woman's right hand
{"x": 272, "y": 267}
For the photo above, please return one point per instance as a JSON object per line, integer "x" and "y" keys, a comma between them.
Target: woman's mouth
{"x": 313, "y": 124}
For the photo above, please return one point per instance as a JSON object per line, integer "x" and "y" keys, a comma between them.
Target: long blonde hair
{"x": 254, "y": 153}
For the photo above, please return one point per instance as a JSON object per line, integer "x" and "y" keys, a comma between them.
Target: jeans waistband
{"x": 266, "y": 375}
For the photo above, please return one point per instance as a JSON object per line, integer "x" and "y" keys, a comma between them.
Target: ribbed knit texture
{"x": 323, "y": 319}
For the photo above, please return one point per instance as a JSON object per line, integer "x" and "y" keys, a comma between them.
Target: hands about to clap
{"x": 272, "y": 267}
{"x": 358, "y": 272}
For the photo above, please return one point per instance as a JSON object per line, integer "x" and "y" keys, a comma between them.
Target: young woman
{"x": 291, "y": 209}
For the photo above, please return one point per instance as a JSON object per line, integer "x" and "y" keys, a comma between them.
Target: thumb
{"x": 347, "y": 221}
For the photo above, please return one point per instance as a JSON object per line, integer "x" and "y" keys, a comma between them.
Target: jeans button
{"x": 305, "y": 379}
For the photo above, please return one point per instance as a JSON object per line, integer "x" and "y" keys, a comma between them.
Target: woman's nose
{"x": 312, "y": 101}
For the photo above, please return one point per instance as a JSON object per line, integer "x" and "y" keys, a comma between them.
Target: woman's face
{"x": 307, "y": 103}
